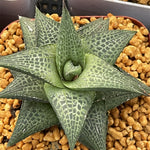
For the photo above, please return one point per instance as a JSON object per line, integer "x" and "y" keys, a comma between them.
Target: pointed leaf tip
{"x": 19, "y": 17}
{"x": 36, "y": 9}
{"x": 38, "y": 62}
{"x": 28, "y": 29}
{"x": 33, "y": 117}
{"x": 64, "y": 3}
{"x": 69, "y": 45}
{"x": 46, "y": 29}
{"x": 25, "y": 87}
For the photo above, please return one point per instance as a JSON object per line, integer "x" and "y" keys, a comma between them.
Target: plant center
{"x": 71, "y": 71}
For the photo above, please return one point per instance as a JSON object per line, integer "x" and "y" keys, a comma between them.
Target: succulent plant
{"x": 69, "y": 78}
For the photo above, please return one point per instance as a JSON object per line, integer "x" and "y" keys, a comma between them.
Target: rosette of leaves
{"x": 68, "y": 78}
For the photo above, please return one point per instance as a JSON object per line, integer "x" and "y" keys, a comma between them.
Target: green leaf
{"x": 28, "y": 28}
{"x": 33, "y": 117}
{"x": 25, "y": 87}
{"x": 71, "y": 71}
{"x": 99, "y": 25}
{"x": 114, "y": 98}
{"x": 99, "y": 75}
{"x": 39, "y": 63}
{"x": 46, "y": 29}
{"x": 108, "y": 45}
{"x": 94, "y": 131}
{"x": 71, "y": 108}
{"x": 69, "y": 44}
{"x": 117, "y": 97}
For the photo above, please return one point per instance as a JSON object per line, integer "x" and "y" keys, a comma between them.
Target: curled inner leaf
{"x": 71, "y": 70}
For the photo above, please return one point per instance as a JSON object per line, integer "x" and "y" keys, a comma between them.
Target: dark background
{"x": 10, "y": 9}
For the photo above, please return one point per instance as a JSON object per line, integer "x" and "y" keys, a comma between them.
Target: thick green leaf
{"x": 39, "y": 62}
{"x": 69, "y": 44}
{"x": 28, "y": 28}
{"x": 33, "y": 117}
{"x": 71, "y": 108}
{"x": 99, "y": 75}
{"x": 114, "y": 98}
{"x": 108, "y": 45}
{"x": 94, "y": 131}
{"x": 71, "y": 71}
{"x": 98, "y": 25}
{"x": 46, "y": 29}
{"x": 25, "y": 87}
